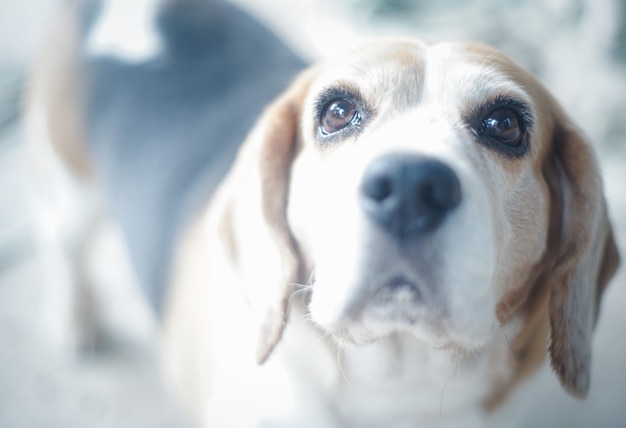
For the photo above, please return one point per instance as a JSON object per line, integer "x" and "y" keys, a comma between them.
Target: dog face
{"x": 415, "y": 193}
{"x": 434, "y": 191}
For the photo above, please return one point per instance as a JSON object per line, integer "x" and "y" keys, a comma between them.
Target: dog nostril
{"x": 378, "y": 190}
{"x": 443, "y": 192}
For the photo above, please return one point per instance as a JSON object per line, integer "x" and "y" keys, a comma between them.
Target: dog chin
{"x": 362, "y": 338}
{"x": 366, "y": 333}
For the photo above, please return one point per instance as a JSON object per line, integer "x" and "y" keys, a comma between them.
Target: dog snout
{"x": 408, "y": 195}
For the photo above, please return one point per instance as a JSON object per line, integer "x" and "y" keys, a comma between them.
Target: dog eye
{"x": 502, "y": 125}
{"x": 337, "y": 114}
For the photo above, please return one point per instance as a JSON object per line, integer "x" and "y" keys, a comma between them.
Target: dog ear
{"x": 254, "y": 218}
{"x": 587, "y": 258}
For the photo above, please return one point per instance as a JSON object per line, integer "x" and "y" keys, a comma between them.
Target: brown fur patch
{"x": 278, "y": 148}
{"x": 58, "y": 82}
{"x": 583, "y": 262}
{"x": 530, "y": 300}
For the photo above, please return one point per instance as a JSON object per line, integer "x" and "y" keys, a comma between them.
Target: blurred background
{"x": 577, "y": 48}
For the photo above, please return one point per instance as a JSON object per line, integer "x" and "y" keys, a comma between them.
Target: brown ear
{"x": 254, "y": 223}
{"x": 587, "y": 259}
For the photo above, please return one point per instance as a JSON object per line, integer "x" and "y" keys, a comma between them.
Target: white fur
{"x": 126, "y": 30}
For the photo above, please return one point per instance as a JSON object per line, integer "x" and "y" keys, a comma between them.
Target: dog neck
{"x": 399, "y": 380}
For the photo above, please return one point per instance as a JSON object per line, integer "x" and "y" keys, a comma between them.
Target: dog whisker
{"x": 300, "y": 292}
{"x": 509, "y": 344}
{"x": 340, "y": 366}
{"x": 443, "y": 389}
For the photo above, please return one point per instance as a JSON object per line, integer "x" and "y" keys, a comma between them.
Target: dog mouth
{"x": 398, "y": 300}
{"x": 399, "y": 289}
{"x": 395, "y": 304}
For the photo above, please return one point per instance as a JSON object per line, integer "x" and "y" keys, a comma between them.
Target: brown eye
{"x": 502, "y": 125}
{"x": 337, "y": 114}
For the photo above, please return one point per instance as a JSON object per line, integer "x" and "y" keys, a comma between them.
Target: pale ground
{"x": 120, "y": 387}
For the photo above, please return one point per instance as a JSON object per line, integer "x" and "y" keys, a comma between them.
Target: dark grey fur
{"x": 164, "y": 132}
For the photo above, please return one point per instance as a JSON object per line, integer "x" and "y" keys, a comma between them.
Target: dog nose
{"x": 409, "y": 195}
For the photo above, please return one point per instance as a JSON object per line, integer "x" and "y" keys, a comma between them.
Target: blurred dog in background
{"x": 142, "y": 109}
{"x": 419, "y": 212}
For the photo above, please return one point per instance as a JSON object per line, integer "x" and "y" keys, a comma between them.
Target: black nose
{"x": 409, "y": 195}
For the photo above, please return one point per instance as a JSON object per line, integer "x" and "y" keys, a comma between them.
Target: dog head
{"x": 435, "y": 191}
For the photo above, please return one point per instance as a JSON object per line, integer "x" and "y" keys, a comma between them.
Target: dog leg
{"x": 68, "y": 210}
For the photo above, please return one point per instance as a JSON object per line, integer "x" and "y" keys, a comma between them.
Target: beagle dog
{"x": 405, "y": 236}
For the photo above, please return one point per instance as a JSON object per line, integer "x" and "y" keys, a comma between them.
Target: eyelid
{"x": 524, "y": 115}
{"x": 519, "y": 107}
{"x": 340, "y": 90}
